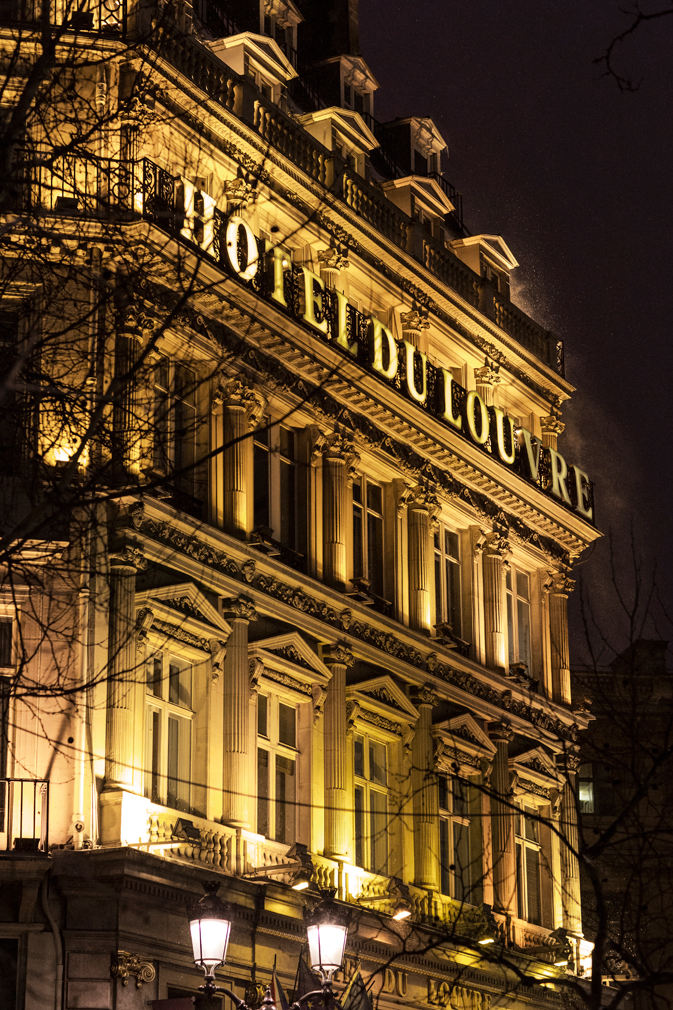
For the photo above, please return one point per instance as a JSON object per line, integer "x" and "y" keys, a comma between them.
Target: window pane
{"x": 180, "y": 685}
{"x": 455, "y": 616}
{"x": 185, "y": 383}
{"x": 263, "y": 792}
{"x": 285, "y": 800}
{"x": 443, "y": 792}
{"x": 287, "y": 443}
{"x": 261, "y": 485}
{"x": 444, "y": 857}
{"x": 439, "y": 608}
{"x": 451, "y": 542}
{"x": 461, "y": 858}
{"x": 262, "y": 715}
{"x": 174, "y": 684}
{"x": 520, "y": 883}
{"x": 184, "y": 441}
{"x": 510, "y": 630}
{"x": 508, "y": 578}
{"x": 585, "y": 788}
{"x": 377, "y": 763}
{"x": 288, "y": 515}
{"x": 359, "y": 758}
{"x": 374, "y": 498}
{"x": 184, "y": 764}
{"x": 375, "y": 553}
{"x": 533, "y": 885}
{"x": 523, "y": 627}
{"x": 153, "y": 754}
{"x": 531, "y": 826}
{"x": 359, "y": 826}
{"x": 522, "y": 585}
{"x": 357, "y": 491}
{"x": 358, "y": 566}
{"x": 460, "y": 797}
{"x": 6, "y": 641}
{"x": 378, "y": 832}
{"x": 173, "y": 764}
{"x": 154, "y": 675}
{"x": 287, "y": 725}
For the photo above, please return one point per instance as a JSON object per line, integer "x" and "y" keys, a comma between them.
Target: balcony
{"x": 24, "y": 817}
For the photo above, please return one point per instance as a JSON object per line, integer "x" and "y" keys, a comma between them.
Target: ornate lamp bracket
{"x": 125, "y": 964}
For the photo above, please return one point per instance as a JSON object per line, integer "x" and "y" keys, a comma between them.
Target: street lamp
{"x": 327, "y": 931}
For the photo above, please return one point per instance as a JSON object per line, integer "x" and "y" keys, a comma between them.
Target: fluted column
{"x": 559, "y": 587}
{"x": 337, "y": 460}
{"x": 495, "y": 552}
{"x": 486, "y": 378}
{"x": 502, "y": 824}
{"x": 332, "y": 261}
{"x": 337, "y": 801}
{"x": 242, "y": 407}
{"x": 120, "y": 714}
{"x": 238, "y": 611}
{"x": 128, "y": 428}
{"x": 570, "y": 867}
{"x": 414, "y": 329}
{"x": 422, "y": 509}
{"x": 426, "y": 798}
{"x": 552, "y": 427}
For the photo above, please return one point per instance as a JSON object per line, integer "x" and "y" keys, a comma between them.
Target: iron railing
{"x": 24, "y": 815}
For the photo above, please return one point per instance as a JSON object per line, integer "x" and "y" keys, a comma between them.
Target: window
{"x": 585, "y": 789}
{"x": 6, "y": 628}
{"x": 175, "y": 422}
{"x": 168, "y": 731}
{"x": 275, "y": 482}
{"x": 5, "y": 684}
{"x": 368, "y": 533}
{"x": 447, "y": 579}
{"x": 528, "y": 866}
{"x": 454, "y": 838}
{"x": 370, "y": 766}
{"x": 276, "y": 769}
{"x": 420, "y": 163}
{"x": 517, "y": 586}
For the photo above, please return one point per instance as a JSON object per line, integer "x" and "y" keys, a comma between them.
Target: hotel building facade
{"x": 299, "y": 607}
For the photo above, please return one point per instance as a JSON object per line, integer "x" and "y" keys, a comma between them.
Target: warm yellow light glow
{"x": 403, "y": 913}
{"x": 489, "y": 939}
{"x": 301, "y": 885}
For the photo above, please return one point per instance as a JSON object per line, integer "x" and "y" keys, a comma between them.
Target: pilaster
{"x": 486, "y": 379}
{"x": 425, "y": 794}
{"x": 127, "y": 429}
{"x": 422, "y": 511}
{"x": 238, "y": 611}
{"x": 558, "y": 588}
{"x": 495, "y": 554}
{"x": 552, "y": 427}
{"x": 414, "y": 329}
{"x": 338, "y": 458}
{"x": 332, "y": 261}
{"x": 242, "y": 408}
{"x": 570, "y": 868}
{"x": 337, "y": 801}
{"x": 502, "y": 823}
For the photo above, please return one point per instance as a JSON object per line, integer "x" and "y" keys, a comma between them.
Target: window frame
{"x": 362, "y": 566}
{"x": 160, "y": 711}
{"x": 165, "y": 459}
{"x": 277, "y": 749}
{"x": 457, "y": 823}
{"x": 370, "y": 839}
{"x": 268, "y": 438}
{"x": 442, "y": 561}
{"x": 524, "y": 845}
{"x": 512, "y": 604}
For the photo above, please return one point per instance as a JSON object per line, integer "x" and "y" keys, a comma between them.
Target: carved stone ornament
{"x": 423, "y": 498}
{"x": 556, "y": 800}
{"x": 486, "y": 769}
{"x": 256, "y": 669}
{"x": 239, "y": 608}
{"x": 569, "y": 762}
{"x": 319, "y": 695}
{"x": 501, "y": 731}
{"x": 133, "y": 322}
{"x": 317, "y": 443}
{"x": 337, "y": 654}
{"x": 144, "y": 622}
{"x": 486, "y": 375}
{"x": 408, "y": 734}
{"x": 497, "y": 544}
{"x": 559, "y": 584}
{"x": 333, "y": 259}
{"x": 432, "y": 661}
{"x": 128, "y": 560}
{"x": 248, "y": 569}
{"x": 218, "y": 651}
{"x": 425, "y": 696}
{"x": 342, "y": 447}
{"x": 125, "y": 964}
{"x": 238, "y": 394}
{"x": 352, "y": 714}
{"x": 346, "y": 618}
{"x": 137, "y": 514}
{"x": 551, "y": 425}
{"x": 239, "y": 191}
{"x": 414, "y": 321}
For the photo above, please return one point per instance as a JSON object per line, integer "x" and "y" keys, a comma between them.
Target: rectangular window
{"x": 275, "y": 512}
{"x": 585, "y": 788}
{"x": 368, "y": 534}
{"x": 517, "y": 587}
{"x": 447, "y": 579}
{"x": 276, "y": 770}
{"x": 6, "y": 628}
{"x": 174, "y": 424}
{"x": 370, "y": 765}
{"x": 5, "y": 684}
{"x": 168, "y": 731}
{"x": 454, "y": 838}
{"x": 529, "y": 905}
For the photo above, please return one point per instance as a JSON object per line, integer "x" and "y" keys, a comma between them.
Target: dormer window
{"x": 343, "y": 132}
{"x": 260, "y": 58}
{"x": 489, "y": 257}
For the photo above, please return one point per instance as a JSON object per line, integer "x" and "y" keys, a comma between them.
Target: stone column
{"x": 332, "y": 261}
{"x": 242, "y": 409}
{"x": 495, "y": 553}
{"x": 421, "y": 512}
{"x": 570, "y": 867}
{"x": 486, "y": 378}
{"x": 337, "y": 801}
{"x": 426, "y": 797}
{"x": 502, "y": 824}
{"x": 120, "y": 714}
{"x": 552, "y": 427}
{"x": 559, "y": 587}
{"x": 128, "y": 427}
{"x": 238, "y": 611}
{"x": 337, "y": 461}
{"x": 414, "y": 327}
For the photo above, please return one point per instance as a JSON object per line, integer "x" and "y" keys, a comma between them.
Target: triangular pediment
{"x": 383, "y": 694}
{"x": 494, "y": 246}
{"x": 537, "y": 765}
{"x": 425, "y": 189}
{"x": 261, "y": 49}
{"x": 186, "y": 601}
{"x": 464, "y": 729}
{"x": 289, "y": 650}
{"x": 349, "y": 124}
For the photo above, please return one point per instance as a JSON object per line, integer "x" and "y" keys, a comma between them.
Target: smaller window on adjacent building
{"x": 370, "y": 766}
{"x": 168, "y": 731}
{"x": 368, "y": 533}
{"x": 6, "y": 642}
{"x": 454, "y": 838}
{"x": 585, "y": 788}
{"x": 517, "y": 586}
{"x": 528, "y": 866}
{"x": 447, "y": 579}
{"x": 276, "y": 769}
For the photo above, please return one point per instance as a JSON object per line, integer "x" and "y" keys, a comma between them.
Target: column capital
{"x": 501, "y": 732}
{"x": 333, "y": 258}
{"x": 559, "y": 584}
{"x": 132, "y": 322}
{"x": 487, "y": 375}
{"x": 236, "y": 393}
{"x": 421, "y": 498}
{"x": 127, "y": 561}
{"x": 552, "y": 425}
{"x": 414, "y": 324}
{"x": 424, "y": 696}
{"x": 317, "y": 443}
{"x": 496, "y": 544}
{"x": 337, "y": 653}
{"x": 239, "y": 193}
{"x": 568, "y": 762}
{"x": 342, "y": 447}
{"x": 239, "y": 608}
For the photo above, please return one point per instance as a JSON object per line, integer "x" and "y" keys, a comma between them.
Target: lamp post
{"x": 210, "y": 927}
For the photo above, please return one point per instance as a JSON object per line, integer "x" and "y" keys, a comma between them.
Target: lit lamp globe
{"x": 210, "y": 926}
{"x": 327, "y": 931}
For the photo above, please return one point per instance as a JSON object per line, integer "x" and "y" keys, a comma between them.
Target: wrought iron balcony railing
{"x": 24, "y": 816}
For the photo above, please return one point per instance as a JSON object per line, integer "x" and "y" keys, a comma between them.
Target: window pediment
{"x": 536, "y": 766}
{"x": 290, "y": 656}
{"x": 426, "y": 192}
{"x": 492, "y": 246}
{"x": 382, "y": 695}
{"x": 350, "y": 128}
{"x": 264, "y": 53}
{"x": 462, "y": 740}
{"x": 184, "y": 606}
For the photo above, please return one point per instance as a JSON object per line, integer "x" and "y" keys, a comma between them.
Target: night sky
{"x": 577, "y": 178}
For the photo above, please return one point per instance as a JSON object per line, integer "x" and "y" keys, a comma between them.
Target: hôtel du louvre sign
{"x": 303, "y": 295}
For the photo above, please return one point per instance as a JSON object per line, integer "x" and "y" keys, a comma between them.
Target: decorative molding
{"x": 287, "y": 681}
{"x": 255, "y": 669}
{"x": 501, "y": 732}
{"x": 144, "y": 622}
{"x": 181, "y": 635}
{"x": 239, "y": 608}
{"x": 128, "y": 560}
{"x": 353, "y": 711}
{"x": 374, "y": 719}
{"x": 319, "y": 695}
{"x": 337, "y": 655}
{"x": 559, "y": 584}
{"x": 125, "y": 964}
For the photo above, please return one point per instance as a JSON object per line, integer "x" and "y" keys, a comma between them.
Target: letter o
{"x": 470, "y": 415}
{"x": 231, "y": 241}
